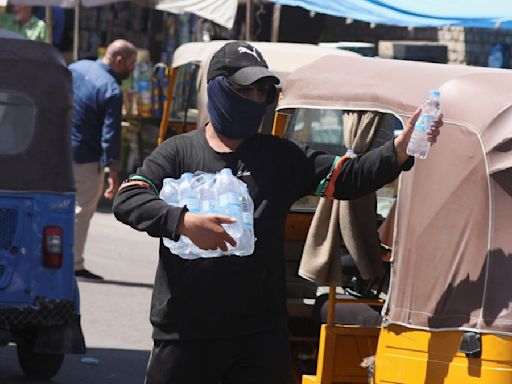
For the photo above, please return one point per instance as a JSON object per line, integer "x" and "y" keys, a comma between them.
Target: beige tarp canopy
{"x": 452, "y": 244}
{"x": 282, "y": 58}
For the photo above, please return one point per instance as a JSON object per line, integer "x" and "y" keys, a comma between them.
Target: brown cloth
{"x": 352, "y": 223}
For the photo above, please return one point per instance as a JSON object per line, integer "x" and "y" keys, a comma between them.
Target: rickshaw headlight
{"x": 52, "y": 247}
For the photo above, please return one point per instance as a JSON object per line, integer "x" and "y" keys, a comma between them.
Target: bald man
{"x": 96, "y": 135}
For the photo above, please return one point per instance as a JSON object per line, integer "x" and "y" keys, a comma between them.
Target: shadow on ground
{"x": 116, "y": 282}
{"x": 114, "y": 366}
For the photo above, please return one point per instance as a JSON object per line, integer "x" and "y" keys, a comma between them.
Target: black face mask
{"x": 233, "y": 115}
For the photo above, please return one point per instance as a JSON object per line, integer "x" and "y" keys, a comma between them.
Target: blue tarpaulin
{"x": 419, "y": 13}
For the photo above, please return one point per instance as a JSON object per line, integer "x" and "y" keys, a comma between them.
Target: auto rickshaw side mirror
{"x": 281, "y": 119}
{"x": 279, "y": 127}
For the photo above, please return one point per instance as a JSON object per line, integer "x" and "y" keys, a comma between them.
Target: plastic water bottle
{"x": 209, "y": 206}
{"x": 245, "y": 245}
{"x": 209, "y": 194}
{"x": 187, "y": 194}
{"x": 230, "y": 205}
{"x": 169, "y": 193}
{"x": 187, "y": 197}
{"x": 142, "y": 74}
{"x": 419, "y": 145}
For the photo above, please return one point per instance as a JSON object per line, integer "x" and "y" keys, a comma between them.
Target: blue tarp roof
{"x": 416, "y": 13}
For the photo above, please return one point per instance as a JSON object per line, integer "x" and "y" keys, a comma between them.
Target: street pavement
{"x": 115, "y": 312}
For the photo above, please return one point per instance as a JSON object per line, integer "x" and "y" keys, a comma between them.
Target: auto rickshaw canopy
{"x": 452, "y": 248}
{"x": 282, "y": 58}
{"x": 35, "y": 81}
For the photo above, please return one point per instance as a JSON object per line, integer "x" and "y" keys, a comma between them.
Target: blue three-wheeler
{"x": 39, "y": 301}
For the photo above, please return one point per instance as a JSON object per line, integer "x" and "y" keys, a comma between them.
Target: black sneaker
{"x": 86, "y": 274}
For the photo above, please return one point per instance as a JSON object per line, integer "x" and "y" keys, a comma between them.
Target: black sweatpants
{"x": 259, "y": 358}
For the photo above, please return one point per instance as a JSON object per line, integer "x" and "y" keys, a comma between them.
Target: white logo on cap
{"x": 245, "y": 50}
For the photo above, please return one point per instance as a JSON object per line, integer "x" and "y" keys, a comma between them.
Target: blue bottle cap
{"x": 227, "y": 171}
{"x": 435, "y": 92}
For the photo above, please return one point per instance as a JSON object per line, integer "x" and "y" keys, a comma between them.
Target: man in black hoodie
{"x": 223, "y": 319}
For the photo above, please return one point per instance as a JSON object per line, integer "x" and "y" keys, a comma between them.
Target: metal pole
{"x": 276, "y": 18}
{"x": 49, "y": 24}
{"x": 76, "y": 30}
{"x": 331, "y": 306}
{"x": 248, "y": 20}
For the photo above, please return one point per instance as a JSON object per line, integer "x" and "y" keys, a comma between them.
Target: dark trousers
{"x": 259, "y": 358}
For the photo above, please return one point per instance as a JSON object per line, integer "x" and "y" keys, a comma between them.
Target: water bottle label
{"x": 247, "y": 219}
{"x": 424, "y": 122}
{"x": 230, "y": 199}
{"x": 208, "y": 207}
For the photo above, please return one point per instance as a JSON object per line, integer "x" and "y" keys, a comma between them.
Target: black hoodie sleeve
{"x": 141, "y": 207}
{"x": 368, "y": 172}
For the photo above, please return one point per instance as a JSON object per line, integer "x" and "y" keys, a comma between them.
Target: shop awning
{"x": 432, "y": 13}
{"x": 222, "y": 12}
{"x": 58, "y": 3}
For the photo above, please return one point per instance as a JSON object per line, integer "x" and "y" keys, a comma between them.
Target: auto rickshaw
{"x": 39, "y": 299}
{"x": 447, "y": 315}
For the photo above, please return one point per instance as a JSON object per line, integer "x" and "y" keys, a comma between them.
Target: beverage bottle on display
{"x": 246, "y": 244}
{"x": 157, "y": 89}
{"x": 430, "y": 110}
{"x": 142, "y": 73}
{"x": 229, "y": 194}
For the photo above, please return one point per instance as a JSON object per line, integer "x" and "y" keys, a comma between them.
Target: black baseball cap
{"x": 240, "y": 62}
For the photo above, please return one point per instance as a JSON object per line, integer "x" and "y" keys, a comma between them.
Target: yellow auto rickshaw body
{"x": 417, "y": 356}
